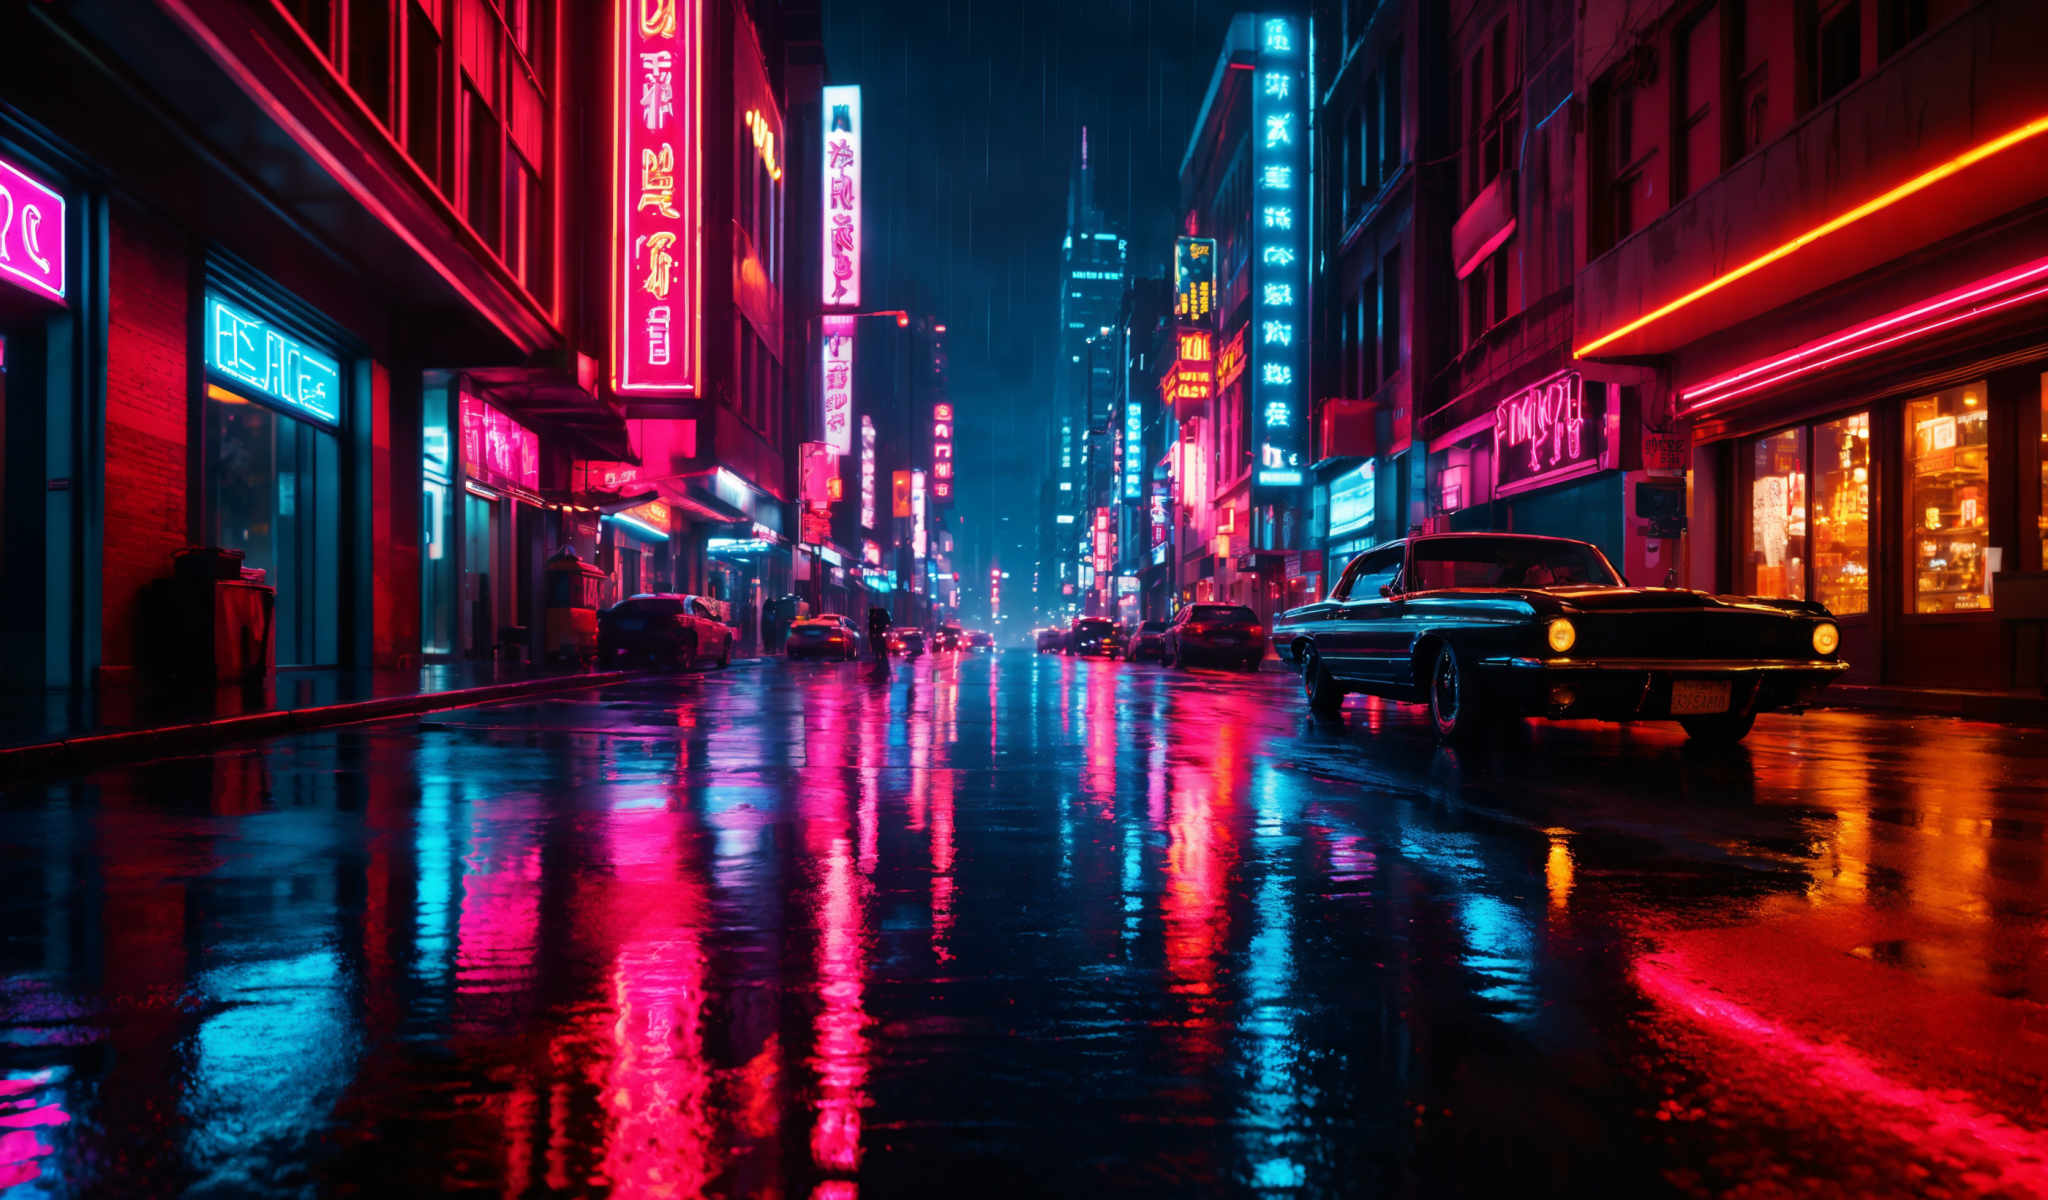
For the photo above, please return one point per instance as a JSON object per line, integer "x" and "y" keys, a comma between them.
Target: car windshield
{"x": 648, "y": 606}
{"x": 1222, "y": 612}
{"x": 1093, "y": 626}
{"x": 1152, "y": 627}
{"x": 1507, "y": 562}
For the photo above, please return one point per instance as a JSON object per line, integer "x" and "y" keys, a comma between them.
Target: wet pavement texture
{"x": 1027, "y": 925}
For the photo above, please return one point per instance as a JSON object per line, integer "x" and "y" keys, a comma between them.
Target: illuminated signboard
{"x": 1193, "y": 365}
{"x": 1194, "y": 280}
{"x": 656, "y": 240}
{"x": 1160, "y": 519}
{"x": 837, "y": 356}
{"x": 1105, "y": 544}
{"x": 871, "y": 552}
{"x": 250, "y": 352}
{"x": 867, "y": 472}
{"x": 917, "y": 511}
{"x": 842, "y": 197}
{"x": 1280, "y": 189}
{"x": 1353, "y": 497}
{"x": 31, "y": 232}
{"x": 1134, "y": 450}
{"x": 942, "y": 451}
{"x": 1547, "y": 433}
{"x": 1230, "y": 361}
{"x": 649, "y": 520}
{"x": 496, "y": 448}
{"x": 899, "y": 494}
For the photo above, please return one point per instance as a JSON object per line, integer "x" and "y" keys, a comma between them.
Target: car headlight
{"x": 1826, "y": 638}
{"x": 1561, "y": 636}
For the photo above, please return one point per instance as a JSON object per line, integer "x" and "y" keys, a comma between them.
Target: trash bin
{"x": 207, "y": 623}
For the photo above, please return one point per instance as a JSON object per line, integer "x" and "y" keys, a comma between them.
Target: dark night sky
{"x": 972, "y": 109}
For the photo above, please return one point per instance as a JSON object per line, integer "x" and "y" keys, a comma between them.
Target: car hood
{"x": 1650, "y": 599}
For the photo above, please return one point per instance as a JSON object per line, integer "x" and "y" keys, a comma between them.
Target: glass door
{"x": 478, "y": 522}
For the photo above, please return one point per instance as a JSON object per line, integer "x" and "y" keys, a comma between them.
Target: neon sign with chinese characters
{"x": 31, "y": 232}
{"x": 1280, "y": 190}
{"x": 867, "y": 472}
{"x": 1134, "y": 450}
{"x": 918, "y": 540}
{"x": 656, "y": 237}
{"x": 838, "y": 390}
{"x": 250, "y": 352}
{"x": 1194, "y": 279}
{"x": 842, "y": 197}
{"x": 942, "y": 451}
{"x": 1193, "y": 367}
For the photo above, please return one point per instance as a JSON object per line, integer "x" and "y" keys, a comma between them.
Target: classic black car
{"x": 1480, "y": 626}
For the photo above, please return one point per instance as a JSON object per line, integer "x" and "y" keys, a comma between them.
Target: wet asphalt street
{"x": 1024, "y": 925}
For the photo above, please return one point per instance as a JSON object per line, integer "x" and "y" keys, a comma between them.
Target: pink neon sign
{"x": 656, "y": 237}
{"x": 31, "y": 232}
{"x": 838, "y": 389}
{"x": 496, "y": 448}
{"x": 842, "y": 197}
{"x": 942, "y": 451}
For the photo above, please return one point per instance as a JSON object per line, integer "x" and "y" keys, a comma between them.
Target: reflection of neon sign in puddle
{"x": 1938, "y": 1126}
{"x": 24, "y": 1111}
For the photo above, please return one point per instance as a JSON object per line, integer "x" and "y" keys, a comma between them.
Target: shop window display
{"x": 1777, "y": 537}
{"x": 1948, "y": 477}
{"x": 1841, "y": 514}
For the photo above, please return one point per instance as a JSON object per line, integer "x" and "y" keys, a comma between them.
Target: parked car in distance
{"x": 827, "y": 635}
{"x": 949, "y": 637}
{"x": 1484, "y": 626}
{"x": 1214, "y": 635}
{"x": 908, "y": 643}
{"x": 1093, "y": 635}
{"x": 667, "y": 628}
{"x": 1052, "y": 640}
{"x": 1147, "y": 641}
{"x": 980, "y": 641}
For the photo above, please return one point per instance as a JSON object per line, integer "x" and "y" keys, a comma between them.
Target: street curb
{"x": 92, "y": 751}
{"x": 1999, "y": 707}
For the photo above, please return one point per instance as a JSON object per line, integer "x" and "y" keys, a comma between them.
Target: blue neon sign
{"x": 1278, "y": 336}
{"x": 254, "y": 354}
{"x": 1134, "y": 450}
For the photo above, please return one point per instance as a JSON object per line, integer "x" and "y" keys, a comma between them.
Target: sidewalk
{"x": 2014, "y": 707}
{"x": 80, "y": 730}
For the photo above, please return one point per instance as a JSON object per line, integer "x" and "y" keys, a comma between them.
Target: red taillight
{"x": 1257, "y": 630}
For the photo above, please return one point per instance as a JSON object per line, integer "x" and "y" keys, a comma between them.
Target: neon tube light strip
{"x": 1702, "y": 395}
{"x": 1918, "y": 183}
{"x": 639, "y": 527}
{"x": 1881, "y": 343}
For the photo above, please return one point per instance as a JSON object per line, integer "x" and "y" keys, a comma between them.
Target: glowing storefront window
{"x": 1841, "y": 514}
{"x": 1777, "y": 516}
{"x": 1948, "y": 485}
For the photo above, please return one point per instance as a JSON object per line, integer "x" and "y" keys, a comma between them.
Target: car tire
{"x": 686, "y": 655}
{"x": 1325, "y": 695}
{"x": 1457, "y": 714}
{"x": 725, "y": 655}
{"x": 1720, "y": 729}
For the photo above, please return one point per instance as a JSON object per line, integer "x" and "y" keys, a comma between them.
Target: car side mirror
{"x": 1388, "y": 590}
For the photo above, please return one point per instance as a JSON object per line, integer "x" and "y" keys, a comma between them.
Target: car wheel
{"x": 725, "y": 655}
{"x": 1325, "y": 695}
{"x": 686, "y": 655}
{"x": 1457, "y": 713}
{"x": 1720, "y": 729}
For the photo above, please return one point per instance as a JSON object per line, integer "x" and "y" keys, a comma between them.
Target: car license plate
{"x": 1227, "y": 639}
{"x": 631, "y": 624}
{"x": 1690, "y": 697}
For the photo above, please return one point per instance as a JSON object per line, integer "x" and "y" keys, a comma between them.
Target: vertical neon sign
{"x": 837, "y": 356}
{"x": 867, "y": 472}
{"x": 917, "y": 511}
{"x": 842, "y": 197}
{"x": 1134, "y": 449}
{"x": 1280, "y": 182}
{"x": 656, "y": 238}
{"x": 942, "y": 451}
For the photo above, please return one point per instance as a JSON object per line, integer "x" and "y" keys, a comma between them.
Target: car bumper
{"x": 1230, "y": 650}
{"x": 1631, "y": 688}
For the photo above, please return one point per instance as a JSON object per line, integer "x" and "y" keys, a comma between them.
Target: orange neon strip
{"x": 1918, "y": 183}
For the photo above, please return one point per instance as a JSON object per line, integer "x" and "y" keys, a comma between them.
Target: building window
{"x": 423, "y": 94}
{"x": 1841, "y": 514}
{"x": 1698, "y": 89}
{"x": 316, "y": 19}
{"x": 1365, "y": 315}
{"x": 369, "y": 55}
{"x": 1777, "y": 516}
{"x": 1390, "y": 115}
{"x": 1494, "y": 116}
{"x": 1390, "y": 314}
{"x": 273, "y": 492}
{"x": 484, "y": 144}
{"x": 1948, "y": 485}
{"x": 1898, "y": 23}
{"x": 1486, "y": 295}
{"x": 1837, "y": 48}
{"x": 1752, "y": 90}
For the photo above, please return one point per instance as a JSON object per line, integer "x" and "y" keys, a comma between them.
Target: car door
{"x": 1357, "y": 602}
{"x": 1372, "y": 616}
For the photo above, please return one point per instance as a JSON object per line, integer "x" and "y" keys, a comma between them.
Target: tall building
{"x": 1092, "y": 270}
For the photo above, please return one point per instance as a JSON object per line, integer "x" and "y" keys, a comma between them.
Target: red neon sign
{"x": 656, "y": 234}
{"x": 1194, "y": 365}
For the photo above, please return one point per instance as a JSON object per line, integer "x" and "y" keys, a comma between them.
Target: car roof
{"x": 1459, "y": 535}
